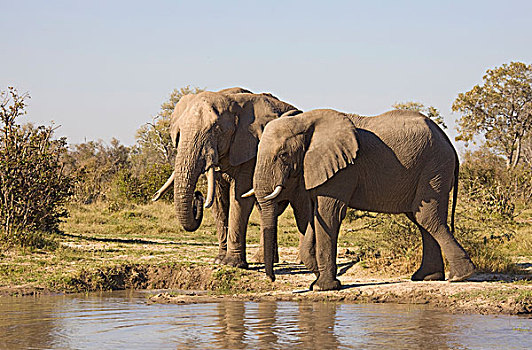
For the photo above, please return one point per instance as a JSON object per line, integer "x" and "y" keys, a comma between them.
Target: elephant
{"x": 217, "y": 133}
{"x": 396, "y": 162}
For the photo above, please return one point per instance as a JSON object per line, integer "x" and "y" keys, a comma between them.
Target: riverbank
{"x": 483, "y": 293}
{"x": 142, "y": 247}
{"x": 463, "y": 298}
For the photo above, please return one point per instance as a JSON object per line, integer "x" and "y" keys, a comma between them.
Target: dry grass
{"x": 96, "y": 236}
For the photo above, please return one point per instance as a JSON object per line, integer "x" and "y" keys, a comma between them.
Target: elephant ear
{"x": 333, "y": 146}
{"x": 179, "y": 109}
{"x": 253, "y": 112}
{"x": 245, "y": 141}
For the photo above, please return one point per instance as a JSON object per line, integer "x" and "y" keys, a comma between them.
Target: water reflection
{"x": 127, "y": 321}
{"x": 402, "y": 327}
{"x": 317, "y": 325}
{"x": 231, "y": 325}
{"x": 32, "y": 323}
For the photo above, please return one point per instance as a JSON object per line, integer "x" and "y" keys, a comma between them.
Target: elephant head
{"x": 308, "y": 148}
{"x": 214, "y": 130}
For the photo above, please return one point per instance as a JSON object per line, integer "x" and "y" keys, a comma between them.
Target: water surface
{"x": 124, "y": 320}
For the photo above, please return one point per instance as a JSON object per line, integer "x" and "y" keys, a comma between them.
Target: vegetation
{"x": 95, "y": 165}
{"x": 33, "y": 185}
{"x": 500, "y": 110}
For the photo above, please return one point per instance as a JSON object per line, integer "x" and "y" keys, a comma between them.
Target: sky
{"x": 101, "y": 69}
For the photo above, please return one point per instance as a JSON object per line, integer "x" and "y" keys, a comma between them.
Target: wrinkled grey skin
{"x": 219, "y": 131}
{"x": 397, "y": 162}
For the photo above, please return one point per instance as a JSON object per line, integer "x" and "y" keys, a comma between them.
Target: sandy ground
{"x": 482, "y": 293}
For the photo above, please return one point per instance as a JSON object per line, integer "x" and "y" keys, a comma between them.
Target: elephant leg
{"x": 432, "y": 216}
{"x": 239, "y": 212}
{"x": 302, "y": 206}
{"x": 220, "y": 211}
{"x": 328, "y": 215}
{"x": 299, "y": 260}
{"x": 432, "y": 261}
{"x": 259, "y": 255}
{"x": 307, "y": 249}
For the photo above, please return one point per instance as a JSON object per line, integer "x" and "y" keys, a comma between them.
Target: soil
{"x": 482, "y": 293}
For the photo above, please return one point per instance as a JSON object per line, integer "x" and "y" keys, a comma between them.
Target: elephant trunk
{"x": 188, "y": 204}
{"x": 269, "y": 236}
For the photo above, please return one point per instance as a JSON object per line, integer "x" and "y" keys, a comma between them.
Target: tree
{"x": 499, "y": 110}
{"x": 33, "y": 185}
{"x": 154, "y": 144}
{"x": 431, "y": 112}
{"x": 526, "y": 150}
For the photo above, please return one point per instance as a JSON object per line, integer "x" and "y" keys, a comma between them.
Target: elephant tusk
{"x": 275, "y": 193}
{"x": 248, "y": 193}
{"x": 210, "y": 188}
{"x": 164, "y": 188}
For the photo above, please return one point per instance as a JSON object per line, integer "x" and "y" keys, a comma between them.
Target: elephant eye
{"x": 283, "y": 156}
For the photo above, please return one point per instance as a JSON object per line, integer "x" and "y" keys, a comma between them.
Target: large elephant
{"x": 397, "y": 162}
{"x": 217, "y": 133}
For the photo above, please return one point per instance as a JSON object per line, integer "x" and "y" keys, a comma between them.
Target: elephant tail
{"x": 455, "y": 191}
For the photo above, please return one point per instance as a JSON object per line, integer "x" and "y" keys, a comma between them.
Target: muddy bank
{"x": 182, "y": 276}
{"x": 465, "y": 297}
{"x": 496, "y": 297}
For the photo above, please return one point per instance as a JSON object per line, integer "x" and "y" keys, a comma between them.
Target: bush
{"x": 127, "y": 187}
{"x": 95, "y": 166}
{"x": 33, "y": 185}
{"x": 490, "y": 187}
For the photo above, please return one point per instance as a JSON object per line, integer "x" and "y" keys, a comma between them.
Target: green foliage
{"x": 492, "y": 189}
{"x": 500, "y": 110}
{"x": 431, "y": 112}
{"x": 95, "y": 165}
{"x": 126, "y": 186}
{"x": 33, "y": 184}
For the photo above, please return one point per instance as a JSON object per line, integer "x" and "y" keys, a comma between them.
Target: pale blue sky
{"x": 102, "y": 68}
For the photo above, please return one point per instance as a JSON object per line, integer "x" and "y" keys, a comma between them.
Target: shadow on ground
{"x": 134, "y": 240}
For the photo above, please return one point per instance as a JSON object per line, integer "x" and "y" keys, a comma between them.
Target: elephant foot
{"x": 461, "y": 271}
{"x": 323, "y": 284}
{"x": 220, "y": 258}
{"x": 421, "y": 275}
{"x": 235, "y": 261}
{"x": 299, "y": 261}
{"x": 259, "y": 257}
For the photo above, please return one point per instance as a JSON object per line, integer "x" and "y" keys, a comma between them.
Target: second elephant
{"x": 397, "y": 162}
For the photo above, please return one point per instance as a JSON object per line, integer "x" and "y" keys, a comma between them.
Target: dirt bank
{"x": 485, "y": 294}
{"x": 464, "y": 297}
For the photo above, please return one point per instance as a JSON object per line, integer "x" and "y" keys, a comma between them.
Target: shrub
{"x": 95, "y": 165}
{"x": 33, "y": 185}
{"x": 128, "y": 187}
{"x": 490, "y": 187}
